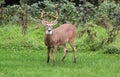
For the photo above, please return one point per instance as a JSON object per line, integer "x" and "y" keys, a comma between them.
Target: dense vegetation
{"x": 25, "y": 55}
{"x": 87, "y": 18}
{"x": 97, "y": 41}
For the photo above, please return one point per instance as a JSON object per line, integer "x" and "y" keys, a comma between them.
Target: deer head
{"x": 49, "y": 25}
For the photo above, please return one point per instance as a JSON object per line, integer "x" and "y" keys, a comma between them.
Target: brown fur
{"x": 60, "y": 36}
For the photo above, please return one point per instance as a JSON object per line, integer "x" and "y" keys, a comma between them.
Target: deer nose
{"x": 49, "y": 30}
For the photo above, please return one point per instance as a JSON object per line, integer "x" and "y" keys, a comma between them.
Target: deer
{"x": 59, "y": 36}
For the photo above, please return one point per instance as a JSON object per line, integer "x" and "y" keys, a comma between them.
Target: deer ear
{"x": 43, "y": 22}
{"x": 55, "y": 22}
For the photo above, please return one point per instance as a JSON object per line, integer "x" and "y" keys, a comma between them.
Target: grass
{"x": 32, "y": 63}
{"x": 25, "y": 56}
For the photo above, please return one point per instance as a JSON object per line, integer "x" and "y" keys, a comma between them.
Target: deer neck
{"x": 49, "y": 37}
{"x": 48, "y": 40}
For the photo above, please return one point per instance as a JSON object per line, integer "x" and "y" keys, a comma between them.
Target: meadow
{"x": 26, "y": 56}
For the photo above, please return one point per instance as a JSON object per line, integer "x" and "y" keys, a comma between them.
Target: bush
{"x": 91, "y": 37}
{"x": 34, "y": 10}
{"x": 68, "y": 10}
{"x": 110, "y": 10}
{"x": 86, "y": 12}
{"x": 10, "y": 14}
{"x": 12, "y": 38}
{"x": 73, "y": 14}
{"x": 111, "y": 50}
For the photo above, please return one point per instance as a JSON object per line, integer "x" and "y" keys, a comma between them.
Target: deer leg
{"x": 54, "y": 54}
{"x": 48, "y": 58}
{"x": 65, "y": 53}
{"x": 74, "y": 50}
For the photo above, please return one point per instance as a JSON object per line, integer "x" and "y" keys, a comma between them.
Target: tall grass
{"x": 12, "y": 37}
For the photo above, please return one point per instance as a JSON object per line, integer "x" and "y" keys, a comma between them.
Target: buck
{"x": 59, "y": 36}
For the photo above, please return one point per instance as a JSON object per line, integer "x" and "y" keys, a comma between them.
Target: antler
{"x": 42, "y": 14}
{"x": 57, "y": 12}
{"x": 42, "y": 18}
{"x": 56, "y": 15}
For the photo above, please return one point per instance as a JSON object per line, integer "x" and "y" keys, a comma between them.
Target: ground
{"x": 32, "y": 63}
{"x": 26, "y": 56}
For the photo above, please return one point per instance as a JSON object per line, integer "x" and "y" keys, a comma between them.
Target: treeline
{"x": 69, "y": 11}
{"x": 77, "y": 2}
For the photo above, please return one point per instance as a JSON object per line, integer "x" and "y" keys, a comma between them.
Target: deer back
{"x": 60, "y": 35}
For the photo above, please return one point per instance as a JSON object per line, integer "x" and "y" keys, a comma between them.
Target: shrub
{"x": 86, "y": 12}
{"x": 10, "y": 14}
{"x": 110, "y": 10}
{"x": 111, "y": 50}
{"x": 91, "y": 38}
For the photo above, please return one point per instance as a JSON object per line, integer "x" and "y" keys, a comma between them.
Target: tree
{"x": 2, "y": 12}
{"x": 23, "y": 16}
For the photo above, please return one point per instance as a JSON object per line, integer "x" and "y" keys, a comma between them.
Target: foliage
{"x": 117, "y": 17}
{"x": 96, "y": 26}
{"x": 68, "y": 10}
{"x": 73, "y": 14}
{"x": 27, "y": 52}
{"x": 86, "y": 12}
{"x": 1, "y": 2}
{"x": 10, "y": 14}
{"x": 35, "y": 10}
{"x": 13, "y": 38}
{"x": 110, "y": 10}
{"x": 111, "y": 50}
{"x": 93, "y": 37}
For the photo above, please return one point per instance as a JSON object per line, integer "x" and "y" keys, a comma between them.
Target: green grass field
{"x": 26, "y": 56}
